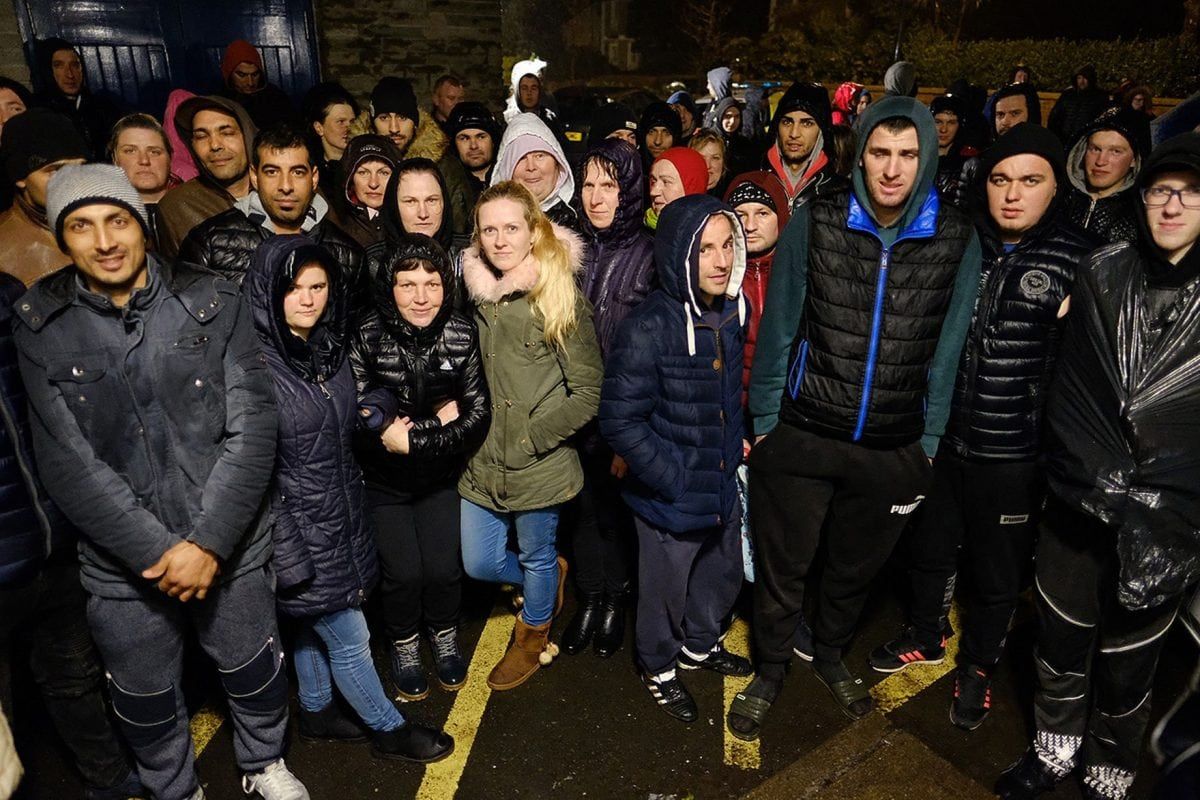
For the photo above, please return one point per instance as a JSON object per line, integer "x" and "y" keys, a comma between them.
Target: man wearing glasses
{"x": 1120, "y": 541}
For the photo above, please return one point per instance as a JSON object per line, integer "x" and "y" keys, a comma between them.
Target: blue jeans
{"x": 336, "y": 648}
{"x": 486, "y": 556}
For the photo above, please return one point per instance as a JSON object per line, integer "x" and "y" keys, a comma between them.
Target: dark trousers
{"x": 1095, "y": 659}
{"x": 989, "y": 510}
{"x": 141, "y": 640}
{"x": 801, "y": 484}
{"x": 602, "y": 528}
{"x": 50, "y": 612}
{"x": 687, "y": 583}
{"x": 419, "y": 541}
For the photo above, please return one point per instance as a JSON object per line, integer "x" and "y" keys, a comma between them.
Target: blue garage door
{"x": 141, "y": 49}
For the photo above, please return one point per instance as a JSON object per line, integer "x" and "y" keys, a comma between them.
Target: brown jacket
{"x": 185, "y": 207}
{"x": 28, "y": 250}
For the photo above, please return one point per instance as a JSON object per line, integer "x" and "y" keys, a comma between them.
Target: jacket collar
{"x": 923, "y": 225}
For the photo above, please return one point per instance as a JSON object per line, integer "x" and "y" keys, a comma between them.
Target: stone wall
{"x": 12, "y": 57}
{"x": 416, "y": 39}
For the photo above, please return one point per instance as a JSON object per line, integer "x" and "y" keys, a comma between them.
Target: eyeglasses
{"x": 1158, "y": 196}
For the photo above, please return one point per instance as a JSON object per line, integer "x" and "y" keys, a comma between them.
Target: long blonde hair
{"x": 555, "y": 294}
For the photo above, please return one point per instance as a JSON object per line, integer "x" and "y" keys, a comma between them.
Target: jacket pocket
{"x": 796, "y": 373}
{"x": 517, "y": 447}
{"x": 81, "y": 384}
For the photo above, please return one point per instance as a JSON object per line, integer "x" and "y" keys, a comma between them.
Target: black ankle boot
{"x": 578, "y": 634}
{"x": 412, "y": 742}
{"x": 329, "y": 725}
{"x": 611, "y": 632}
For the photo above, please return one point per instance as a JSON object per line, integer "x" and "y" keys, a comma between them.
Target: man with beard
{"x": 1103, "y": 168}
{"x": 218, "y": 133}
{"x": 474, "y": 134}
{"x": 1015, "y": 103}
{"x": 801, "y": 130}
{"x": 59, "y": 76}
{"x": 283, "y": 199}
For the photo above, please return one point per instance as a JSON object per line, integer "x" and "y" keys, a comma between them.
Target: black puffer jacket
{"x": 618, "y": 264}
{"x": 1123, "y": 419}
{"x": 1010, "y": 352}
{"x": 405, "y": 371}
{"x": 226, "y": 243}
{"x": 324, "y": 556}
{"x": 1113, "y": 218}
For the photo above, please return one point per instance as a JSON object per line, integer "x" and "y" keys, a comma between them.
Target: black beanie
{"x": 1180, "y": 152}
{"x": 37, "y": 138}
{"x": 394, "y": 95}
{"x": 811, "y": 98}
{"x": 609, "y": 118}
{"x": 470, "y": 114}
{"x": 1025, "y": 138}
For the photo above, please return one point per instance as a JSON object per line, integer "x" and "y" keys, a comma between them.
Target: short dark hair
{"x": 324, "y": 96}
{"x": 282, "y": 136}
{"x": 897, "y": 125}
{"x": 410, "y": 264}
{"x": 450, "y": 78}
{"x": 142, "y": 122}
{"x": 605, "y": 165}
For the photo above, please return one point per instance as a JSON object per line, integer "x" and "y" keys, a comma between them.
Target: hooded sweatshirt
{"x": 658, "y": 115}
{"x": 900, "y": 80}
{"x": 1114, "y": 218}
{"x": 721, "y": 81}
{"x": 890, "y": 381}
{"x": 363, "y": 223}
{"x": 93, "y": 112}
{"x": 815, "y": 175}
{"x": 525, "y": 134}
{"x": 671, "y": 404}
{"x": 268, "y": 104}
{"x": 203, "y": 197}
{"x": 1077, "y": 107}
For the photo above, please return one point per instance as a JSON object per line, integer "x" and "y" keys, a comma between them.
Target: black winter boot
{"x": 329, "y": 725}
{"x": 412, "y": 742}
{"x": 611, "y": 631}
{"x": 578, "y": 634}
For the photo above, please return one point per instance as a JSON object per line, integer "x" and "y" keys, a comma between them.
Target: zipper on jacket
{"x": 1091, "y": 208}
{"x": 349, "y": 503}
{"x": 873, "y": 344}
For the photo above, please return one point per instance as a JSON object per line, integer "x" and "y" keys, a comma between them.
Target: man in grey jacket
{"x": 154, "y": 428}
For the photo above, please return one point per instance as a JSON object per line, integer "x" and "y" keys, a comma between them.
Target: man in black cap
{"x": 801, "y": 130}
{"x": 36, "y": 145}
{"x": 987, "y": 485}
{"x": 615, "y": 120}
{"x": 394, "y": 112}
{"x": 1103, "y": 168}
{"x": 1119, "y": 547}
{"x": 467, "y": 163}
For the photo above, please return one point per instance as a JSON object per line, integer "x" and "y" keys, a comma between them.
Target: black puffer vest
{"x": 860, "y": 366}
{"x": 1010, "y": 353}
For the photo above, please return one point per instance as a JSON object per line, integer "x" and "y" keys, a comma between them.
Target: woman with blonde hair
{"x": 711, "y": 145}
{"x": 544, "y": 371}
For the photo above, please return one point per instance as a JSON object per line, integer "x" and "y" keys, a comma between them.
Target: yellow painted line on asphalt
{"x": 740, "y": 754}
{"x": 898, "y": 688}
{"x": 441, "y": 778}
{"x": 204, "y": 725}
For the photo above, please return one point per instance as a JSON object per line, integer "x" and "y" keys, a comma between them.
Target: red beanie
{"x": 239, "y": 51}
{"x": 693, "y": 171}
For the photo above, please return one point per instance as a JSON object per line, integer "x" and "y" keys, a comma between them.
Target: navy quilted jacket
{"x": 671, "y": 405}
{"x": 325, "y": 557}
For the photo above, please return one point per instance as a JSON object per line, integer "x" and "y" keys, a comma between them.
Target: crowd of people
{"x": 260, "y": 364}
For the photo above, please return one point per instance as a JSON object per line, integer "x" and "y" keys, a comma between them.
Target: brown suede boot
{"x": 528, "y": 651}
{"x": 562, "y": 584}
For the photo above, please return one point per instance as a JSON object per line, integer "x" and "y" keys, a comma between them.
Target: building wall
{"x": 416, "y": 39}
{"x": 12, "y": 57}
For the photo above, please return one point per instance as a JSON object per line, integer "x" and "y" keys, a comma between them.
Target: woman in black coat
{"x": 324, "y": 553}
{"x": 425, "y": 405}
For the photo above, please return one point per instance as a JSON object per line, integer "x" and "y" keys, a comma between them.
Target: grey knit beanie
{"x": 77, "y": 185}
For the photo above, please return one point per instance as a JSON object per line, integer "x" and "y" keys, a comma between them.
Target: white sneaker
{"x": 276, "y": 782}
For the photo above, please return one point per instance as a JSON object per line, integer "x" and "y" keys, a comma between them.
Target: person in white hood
{"x": 531, "y": 155}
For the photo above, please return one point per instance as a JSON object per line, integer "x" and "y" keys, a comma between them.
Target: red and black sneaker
{"x": 972, "y": 697}
{"x": 905, "y": 651}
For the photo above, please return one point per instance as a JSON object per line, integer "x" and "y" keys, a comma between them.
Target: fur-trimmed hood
{"x": 486, "y": 285}
{"x": 429, "y": 140}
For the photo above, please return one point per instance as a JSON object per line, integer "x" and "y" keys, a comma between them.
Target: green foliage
{"x": 835, "y": 50}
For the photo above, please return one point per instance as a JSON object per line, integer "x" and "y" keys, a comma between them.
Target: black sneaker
{"x": 718, "y": 660}
{"x": 448, "y": 663}
{"x": 1026, "y": 778}
{"x": 407, "y": 672}
{"x": 905, "y": 651}
{"x": 802, "y": 644}
{"x": 972, "y": 697}
{"x": 673, "y": 697}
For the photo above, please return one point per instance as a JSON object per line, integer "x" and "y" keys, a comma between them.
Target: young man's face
{"x": 797, "y": 136}
{"x": 142, "y": 154}
{"x": 10, "y": 106}
{"x": 1009, "y": 112}
{"x": 665, "y": 185}
{"x": 625, "y": 135}
{"x": 475, "y": 148}
{"x": 34, "y": 184}
{"x": 686, "y": 120}
{"x": 335, "y": 129}
{"x": 1107, "y": 160}
{"x": 68, "y": 72}
{"x": 716, "y": 256}
{"x": 445, "y": 98}
{"x": 659, "y": 140}
{"x": 946, "y": 123}
{"x": 529, "y": 90}
{"x": 601, "y": 195}
{"x": 761, "y": 225}
{"x": 286, "y": 184}
{"x": 399, "y": 129}
{"x": 108, "y": 246}
{"x": 1020, "y": 190}
{"x": 890, "y": 164}
{"x": 246, "y": 78}
{"x": 1173, "y": 225}
{"x": 218, "y": 143}
{"x": 731, "y": 120}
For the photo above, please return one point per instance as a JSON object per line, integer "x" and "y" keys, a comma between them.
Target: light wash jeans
{"x": 486, "y": 556}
